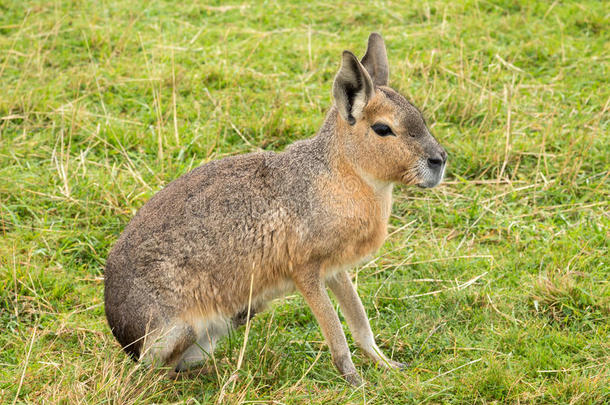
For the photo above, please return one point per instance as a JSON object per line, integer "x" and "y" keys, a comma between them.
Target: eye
{"x": 382, "y": 129}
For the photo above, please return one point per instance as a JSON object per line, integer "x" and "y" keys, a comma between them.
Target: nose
{"x": 437, "y": 160}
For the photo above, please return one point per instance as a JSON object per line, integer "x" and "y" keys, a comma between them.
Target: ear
{"x": 352, "y": 89}
{"x": 375, "y": 60}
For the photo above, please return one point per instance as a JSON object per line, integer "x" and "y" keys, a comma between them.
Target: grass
{"x": 494, "y": 286}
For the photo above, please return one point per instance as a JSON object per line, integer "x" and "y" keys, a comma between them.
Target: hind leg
{"x": 210, "y": 332}
{"x": 166, "y": 346}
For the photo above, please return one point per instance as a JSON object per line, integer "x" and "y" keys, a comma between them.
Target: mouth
{"x": 410, "y": 178}
{"x": 431, "y": 177}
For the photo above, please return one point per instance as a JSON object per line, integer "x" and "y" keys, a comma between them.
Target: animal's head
{"x": 386, "y": 136}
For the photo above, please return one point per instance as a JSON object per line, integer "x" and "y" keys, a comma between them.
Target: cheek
{"x": 412, "y": 149}
{"x": 399, "y": 151}
{"x": 404, "y": 157}
{"x": 391, "y": 156}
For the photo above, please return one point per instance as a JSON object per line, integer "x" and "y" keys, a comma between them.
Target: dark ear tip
{"x": 375, "y": 36}
{"x": 348, "y": 54}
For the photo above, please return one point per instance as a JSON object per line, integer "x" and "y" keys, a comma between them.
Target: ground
{"x": 493, "y": 286}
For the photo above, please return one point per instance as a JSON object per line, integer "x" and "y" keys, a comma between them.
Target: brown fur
{"x": 182, "y": 272}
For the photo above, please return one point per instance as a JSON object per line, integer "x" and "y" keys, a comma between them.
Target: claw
{"x": 394, "y": 364}
{"x": 399, "y": 365}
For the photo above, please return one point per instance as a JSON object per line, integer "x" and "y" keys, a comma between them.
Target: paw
{"x": 346, "y": 367}
{"x": 398, "y": 365}
{"x": 393, "y": 364}
{"x": 354, "y": 379}
{"x": 179, "y": 375}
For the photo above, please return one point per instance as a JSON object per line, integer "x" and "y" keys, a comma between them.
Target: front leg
{"x": 356, "y": 318}
{"x": 313, "y": 289}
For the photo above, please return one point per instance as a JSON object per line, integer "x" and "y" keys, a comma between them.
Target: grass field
{"x": 493, "y": 287}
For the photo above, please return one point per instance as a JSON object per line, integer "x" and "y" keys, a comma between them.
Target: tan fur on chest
{"x": 360, "y": 213}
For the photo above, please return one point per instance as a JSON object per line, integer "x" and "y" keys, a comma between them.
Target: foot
{"x": 347, "y": 369}
{"x": 394, "y": 364}
{"x": 354, "y": 379}
{"x": 178, "y": 375}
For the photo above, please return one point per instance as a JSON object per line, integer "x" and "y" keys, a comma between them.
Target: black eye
{"x": 382, "y": 129}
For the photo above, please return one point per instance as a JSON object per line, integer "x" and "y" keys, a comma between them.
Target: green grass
{"x": 494, "y": 286}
